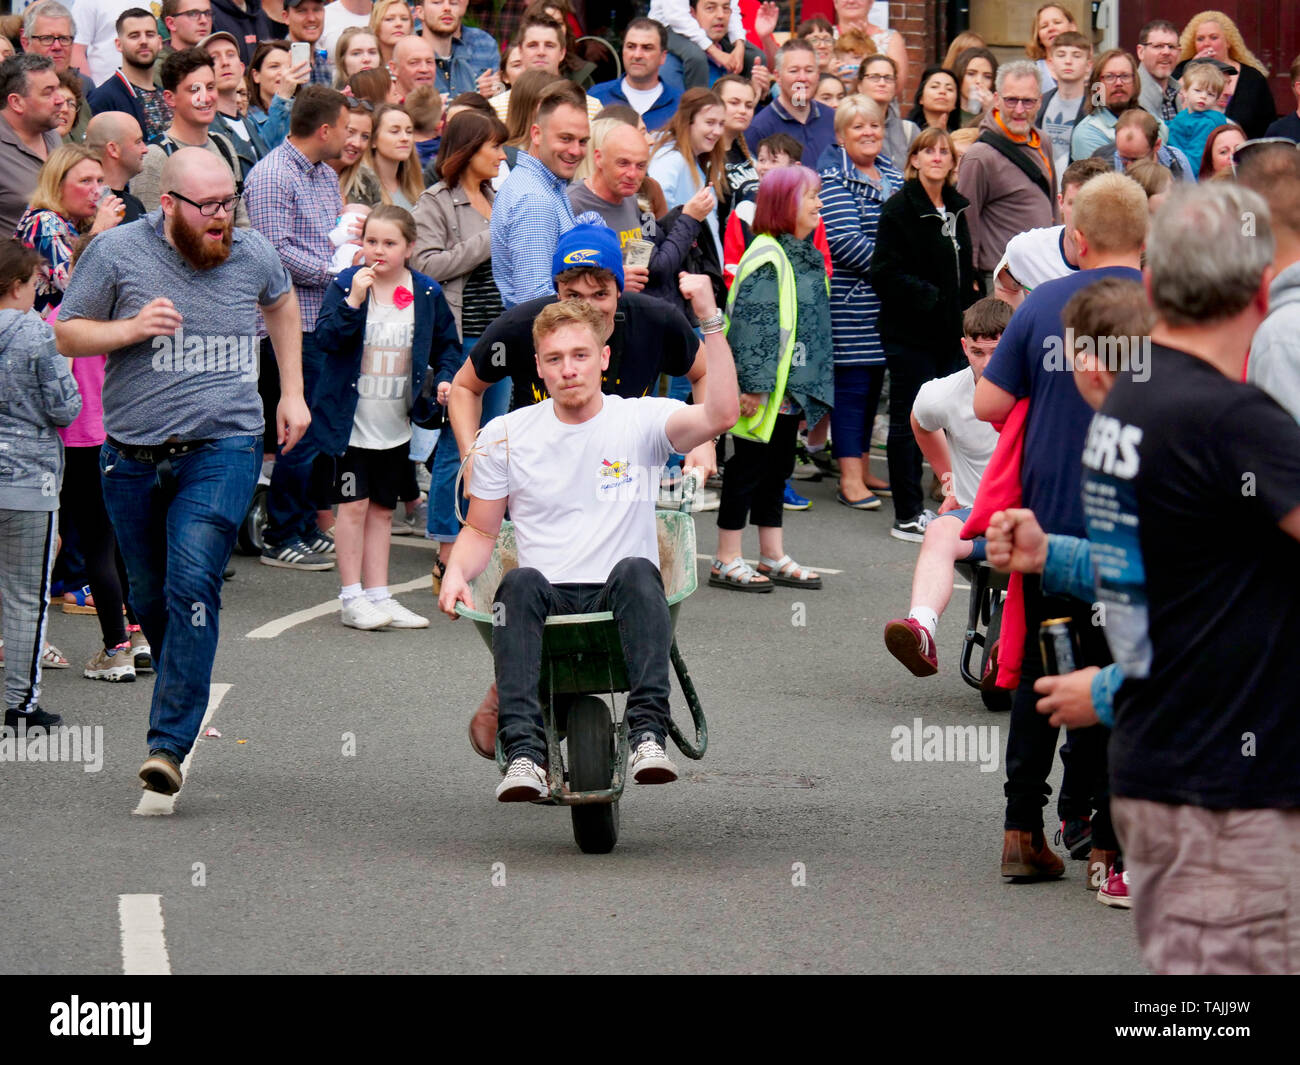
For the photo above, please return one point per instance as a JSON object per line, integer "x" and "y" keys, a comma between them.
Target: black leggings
{"x": 81, "y": 504}
{"x": 754, "y": 485}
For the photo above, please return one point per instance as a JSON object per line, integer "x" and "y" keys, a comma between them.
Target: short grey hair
{"x": 1208, "y": 249}
{"x": 1019, "y": 68}
{"x": 14, "y": 71}
{"x": 855, "y": 107}
{"x": 794, "y": 44}
{"x": 47, "y": 9}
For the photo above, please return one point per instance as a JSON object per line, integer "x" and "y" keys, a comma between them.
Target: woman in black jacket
{"x": 923, "y": 273}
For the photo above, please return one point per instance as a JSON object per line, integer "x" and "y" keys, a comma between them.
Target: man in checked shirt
{"x": 293, "y": 200}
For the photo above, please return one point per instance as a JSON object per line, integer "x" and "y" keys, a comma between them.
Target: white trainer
{"x": 360, "y": 613}
{"x": 650, "y": 764}
{"x": 402, "y": 618}
{"x": 525, "y": 781}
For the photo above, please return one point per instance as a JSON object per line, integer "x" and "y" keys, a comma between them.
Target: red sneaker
{"x": 909, "y": 642}
{"x": 1115, "y": 891}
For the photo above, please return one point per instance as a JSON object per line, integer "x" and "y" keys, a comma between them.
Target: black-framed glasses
{"x": 194, "y": 13}
{"x": 210, "y": 209}
{"x": 1020, "y": 103}
{"x": 1116, "y": 79}
{"x": 48, "y": 39}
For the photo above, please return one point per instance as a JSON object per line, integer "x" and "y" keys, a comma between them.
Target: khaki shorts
{"x": 1214, "y": 891}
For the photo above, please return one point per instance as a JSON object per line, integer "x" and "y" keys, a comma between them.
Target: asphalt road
{"x": 797, "y": 845}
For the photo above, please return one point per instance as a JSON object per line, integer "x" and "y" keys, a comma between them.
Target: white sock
{"x": 926, "y": 617}
{"x": 350, "y": 592}
{"x": 378, "y": 595}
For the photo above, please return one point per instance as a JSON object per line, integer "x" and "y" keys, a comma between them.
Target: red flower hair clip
{"x": 402, "y": 297}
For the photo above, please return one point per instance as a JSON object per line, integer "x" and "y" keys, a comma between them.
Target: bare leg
{"x": 818, "y": 433}
{"x": 852, "y": 485}
{"x": 374, "y": 563}
{"x": 348, "y": 538}
{"x": 932, "y": 579}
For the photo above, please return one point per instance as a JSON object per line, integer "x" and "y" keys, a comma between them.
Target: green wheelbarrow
{"x": 582, "y": 659}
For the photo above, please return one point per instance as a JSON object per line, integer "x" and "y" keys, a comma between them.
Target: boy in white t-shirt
{"x": 958, "y": 447}
{"x": 580, "y": 473}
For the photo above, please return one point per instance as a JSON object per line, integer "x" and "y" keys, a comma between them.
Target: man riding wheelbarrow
{"x": 580, "y": 476}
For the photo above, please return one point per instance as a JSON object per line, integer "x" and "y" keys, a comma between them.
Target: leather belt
{"x": 156, "y": 453}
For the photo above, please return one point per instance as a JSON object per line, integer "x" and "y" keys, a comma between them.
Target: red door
{"x": 1270, "y": 28}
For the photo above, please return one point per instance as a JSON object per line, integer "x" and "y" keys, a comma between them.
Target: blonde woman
{"x": 389, "y": 20}
{"x": 1212, "y": 35}
{"x": 1050, "y": 21}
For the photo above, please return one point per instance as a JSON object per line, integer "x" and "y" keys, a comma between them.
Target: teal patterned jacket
{"x": 755, "y": 330}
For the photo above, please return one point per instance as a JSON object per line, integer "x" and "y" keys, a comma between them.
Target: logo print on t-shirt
{"x": 618, "y": 472}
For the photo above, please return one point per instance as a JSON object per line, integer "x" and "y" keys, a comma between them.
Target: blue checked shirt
{"x": 294, "y": 204}
{"x": 529, "y": 215}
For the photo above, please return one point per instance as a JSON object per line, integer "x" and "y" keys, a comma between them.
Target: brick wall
{"x": 916, "y": 21}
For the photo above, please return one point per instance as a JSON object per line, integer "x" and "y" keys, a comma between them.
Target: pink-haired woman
{"x": 786, "y": 264}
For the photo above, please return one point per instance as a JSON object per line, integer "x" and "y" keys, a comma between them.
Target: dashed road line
{"x": 144, "y": 946}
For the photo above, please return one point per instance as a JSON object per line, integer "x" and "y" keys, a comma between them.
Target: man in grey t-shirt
{"x": 619, "y": 168}
{"x": 183, "y": 417}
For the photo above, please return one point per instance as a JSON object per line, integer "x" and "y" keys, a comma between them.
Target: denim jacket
{"x": 37, "y": 393}
{"x": 340, "y": 334}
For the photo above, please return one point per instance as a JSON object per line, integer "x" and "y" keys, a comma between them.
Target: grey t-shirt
{"x": 624, "y": 218}
{"x": 202, "y": 383}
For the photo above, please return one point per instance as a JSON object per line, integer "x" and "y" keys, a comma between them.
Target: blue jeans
{"x": 176, "y": 534}
{"x": 290, "y": 506}
{"x": 442, "y": 524}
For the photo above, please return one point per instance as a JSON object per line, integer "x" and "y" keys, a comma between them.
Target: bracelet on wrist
{"x": 712, "y": 324}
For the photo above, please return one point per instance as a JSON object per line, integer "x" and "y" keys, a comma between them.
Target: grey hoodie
{"x": 1275, "y": 352}
{"x": 37, "y": 393}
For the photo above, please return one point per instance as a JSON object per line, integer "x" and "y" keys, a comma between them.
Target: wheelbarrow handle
{"x": 697, "y": 748}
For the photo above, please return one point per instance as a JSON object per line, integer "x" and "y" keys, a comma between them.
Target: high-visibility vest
{"x": 767, "y": 251}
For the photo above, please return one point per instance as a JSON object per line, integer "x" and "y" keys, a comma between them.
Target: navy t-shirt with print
{"x": 1031, "y": 360}
{"x": 1186, "y": 476}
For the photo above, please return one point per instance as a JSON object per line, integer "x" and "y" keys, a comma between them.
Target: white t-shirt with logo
{"x": 948, "y": 403}
{"x": 383, "y": 413}
{"x": 582, "y": 497}
{"x": 1058, "y": 126}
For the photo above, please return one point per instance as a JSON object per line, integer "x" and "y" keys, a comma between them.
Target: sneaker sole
{"x": 521, "y": 793}
{"x": 115, "y": 675}
{"x": 1118, "y": 902}
{"x": 796, "y": 506}
{"x": 144, "y": 663}
{"x": 901, "y": 643}
{"x": 368, "y": 628}
{"x": 908, "y": 537}
{"x": 655, "y": 774}
{"x": 423, "y": 623}
{"x": 281, "y": 564}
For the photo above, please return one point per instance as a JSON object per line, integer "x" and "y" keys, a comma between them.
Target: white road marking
{"x": 154, "y": 805}
{"x": 144, "y": 947}
{"x": 415, "y": 541}
{"x": 274, "y": 628}
{"x": 754, "y": 562}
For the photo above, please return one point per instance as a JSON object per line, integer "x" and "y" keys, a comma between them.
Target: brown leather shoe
{"x": 1099, "y": 863}
{"x": 1026, "y": 855}
{"x": 483, "y": 725}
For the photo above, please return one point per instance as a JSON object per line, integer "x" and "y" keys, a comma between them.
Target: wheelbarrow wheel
{"x": 591, "y": 768}
{"x": 250, "y": 540}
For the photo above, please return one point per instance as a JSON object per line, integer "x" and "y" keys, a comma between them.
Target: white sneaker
{"x": 360, "y": 613}
{"x": 525, "y": 781}
{"x": 650, "y": 765}
{"x": 402, "y": 618}
{"x": 114, "y": 665}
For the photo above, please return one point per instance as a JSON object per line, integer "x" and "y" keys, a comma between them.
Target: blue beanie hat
{"x": 589, "y": 245}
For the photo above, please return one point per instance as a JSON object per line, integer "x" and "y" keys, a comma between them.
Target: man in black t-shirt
{"x": 1192, "y": 503}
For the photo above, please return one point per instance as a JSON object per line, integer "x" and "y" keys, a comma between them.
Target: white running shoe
{"x": 114, "y": 665}
{"x": 525, "y": 781}
{"x": 649, "y": 763}
{"x": 402, "y": 618}
{"x": 360, "y": 613}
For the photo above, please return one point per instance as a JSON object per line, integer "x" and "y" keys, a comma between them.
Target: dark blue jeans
{"x": 176, "y": 534}
{"x": 290, "y": 506}
{"x": 634, "y": 593}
